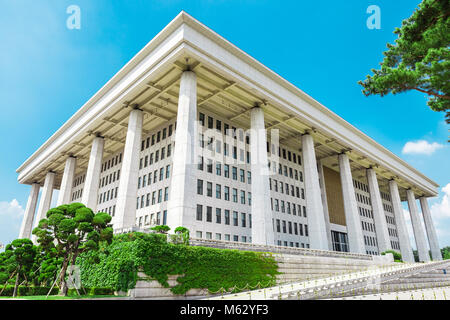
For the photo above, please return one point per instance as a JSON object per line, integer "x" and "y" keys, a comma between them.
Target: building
{"x": 194, "y": 132}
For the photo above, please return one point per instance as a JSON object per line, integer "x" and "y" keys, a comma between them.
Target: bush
{"x": 397, "y": 255}
{"x": 197, "y": 267}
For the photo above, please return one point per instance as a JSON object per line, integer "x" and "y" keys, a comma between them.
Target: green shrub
{"x": 397, "y": 255}
{"x": 197, "y": 267}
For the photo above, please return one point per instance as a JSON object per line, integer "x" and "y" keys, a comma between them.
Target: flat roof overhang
{"x": 224, "y": 73}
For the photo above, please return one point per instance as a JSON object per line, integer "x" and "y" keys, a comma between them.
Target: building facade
{"x": 194, "y": 132}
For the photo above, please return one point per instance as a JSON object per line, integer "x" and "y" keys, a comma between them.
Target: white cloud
{"x": 11, "y": 215}
{"x": 421, "y": 147}
{"x": 441, "y": 209}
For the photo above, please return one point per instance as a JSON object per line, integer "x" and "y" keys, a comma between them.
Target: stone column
{"x": 419, "y": 233}
{"x": 128, "y": 183}
{"x": 316, "y": 220}
{"x": 431, "y": 232}
{"x": 46, "y": 198}
{"x": 403, "y": 237}
{"x": 27, "y": 222}
{"x": 65, "y": 190}
{"x": 262, "y": 228}
{"x": 379, "y": 217}
{"x": 326, "y": 214}
{"x": 181, "y": 208}
{"x": 352, "y": 219}
{"x": 91, "y": 184}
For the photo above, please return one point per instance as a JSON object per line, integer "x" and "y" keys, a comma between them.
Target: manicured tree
{"x": 420, "y": 58}
{"x": 76, "y": 229}
{"x": 22, "y": 254}
{"x": 184, "y": 232}
{"x": 161, "y": 229}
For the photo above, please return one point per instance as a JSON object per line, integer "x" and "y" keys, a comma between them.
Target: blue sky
{"x": 48, "y": 71}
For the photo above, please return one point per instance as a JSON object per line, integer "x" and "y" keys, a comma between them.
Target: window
{"x": 209, "y": 189}
{"x": 235, "y": 218}
{"x": 209, "y": 166}
{"x": 226, "y": 171}
{"x": 234, "y": 172}
{"x": 218, "y": 191}
{"x": 159, "y": 195}
{"x": 218, "y": 169}
{"x": 199, "y": 212}
{"x": 208, "y": 214}
{"x": 199, "y": 186}
{"x": 227, "y": 217}
{"x": 242, "y": 197}
{"x": 235, "y": 196}
{"x": 166, "y": 193}
{"x": 198, "y": 234}
{"x": 227, "y": 193}
{"x": 201, "y": 118}
{"x": 242, "y": 175}
{"x": 168, "y": 171}
{"x": 243, "y": 221}
{"x": 218, "y": 215}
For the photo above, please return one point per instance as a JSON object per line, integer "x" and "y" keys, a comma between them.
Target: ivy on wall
{"x": 198, "y": 267}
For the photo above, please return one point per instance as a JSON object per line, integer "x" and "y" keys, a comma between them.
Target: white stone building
{"x": 194, "y": 132}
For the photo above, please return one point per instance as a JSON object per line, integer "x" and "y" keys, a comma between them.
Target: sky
{"x": 48, "y": 71}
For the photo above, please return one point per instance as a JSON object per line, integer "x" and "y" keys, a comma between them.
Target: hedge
{"x": 197, "y": 267}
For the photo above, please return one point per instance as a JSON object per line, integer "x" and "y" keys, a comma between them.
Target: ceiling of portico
{"x": 158, "y": 98}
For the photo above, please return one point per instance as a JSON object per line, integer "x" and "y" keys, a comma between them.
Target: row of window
{"x": 239, "y": 133}
{"x": 393, "y": 232}
{"x": 77, "y": 194}
{"x": 291, "y": 244}
{"x": 157, "y": 137}
{"x": 366, "y": 226}
{"x": 286, "y": 171}
{"x": 111, "y": 162}
{"x": 284, "y": 188}
{"x": 390, "y": 220}
{"x": 361, "y": 186}
{"x": 286, "y": 207}
{"x": 218, "y": 236}
{"x": 110, "y": 210}
{"x": 385, "y": 196}
{"x": 156, "y": 197}
{"x": 226, "y": 148}
{"x": 79, "y": 180}
{"x": 226, "y": 170}
{"x": 370, "y": 241}
{"x": 363, "y": 199}
{"x": 147, "y": 179}
{"x": 148, "y": 160}
{"x": 152, "y": 219}
{"x": 112, "y": 177}
{"x": 291, "y": 227}
{"x": 108, "y": 195}
{"x": 388, "y": 208}
{"x": 228, "y": 219}
{"x": 226, "y": 192}
{"x": 395, "y": 245}
{"x": 365, "y": 212}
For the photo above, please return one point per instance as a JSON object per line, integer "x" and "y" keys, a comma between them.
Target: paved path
{"x": 423, "y": 294}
